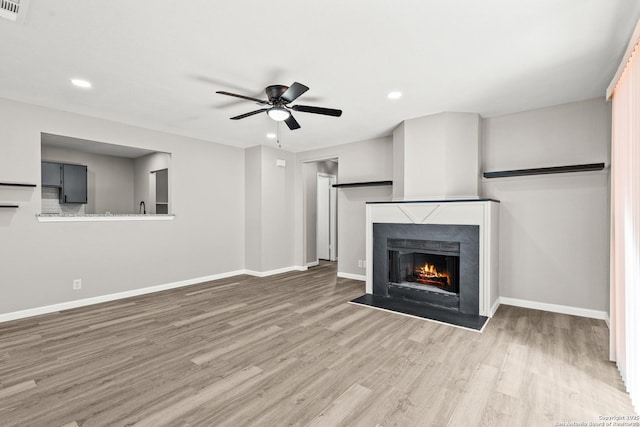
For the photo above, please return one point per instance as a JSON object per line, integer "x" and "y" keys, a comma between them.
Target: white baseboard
{"x": 360, "y": 277}
{"x": 313, "y": 263}
{"x": 22, "y": 314}
{"x": 556, "y": 308}
{"x": 276, "y": 271}
{"x": 6, "y": 317}
{"x": 494, "y": 307}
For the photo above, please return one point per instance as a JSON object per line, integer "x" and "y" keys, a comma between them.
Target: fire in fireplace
{"x": 426, "y": 266}
{"x": 429, "y": 275}
{"x": 432, "y": 270}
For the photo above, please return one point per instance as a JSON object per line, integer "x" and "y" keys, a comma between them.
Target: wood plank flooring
{"x": 289, "y": 350}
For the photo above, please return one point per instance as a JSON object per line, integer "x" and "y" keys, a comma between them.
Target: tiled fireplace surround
{"x": 482, "y": 213}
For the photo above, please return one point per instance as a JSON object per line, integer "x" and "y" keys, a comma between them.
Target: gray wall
{"x": 110, "y": 179}
{"x": 269, "y": 200}
{"x": 277, "y": 209}
{"x": 554, "y": 229}
{"x": 40, "y": 260}
{"x": 358, "y": 161}
{"x": 253, "y": 206}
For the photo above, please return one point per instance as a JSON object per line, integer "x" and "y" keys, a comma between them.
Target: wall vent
{"x": 11, "y": 9}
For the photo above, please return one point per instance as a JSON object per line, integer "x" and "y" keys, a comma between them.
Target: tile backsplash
{"x": 51, "y": 203}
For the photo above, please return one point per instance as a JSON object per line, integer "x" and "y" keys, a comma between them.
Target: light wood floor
{"x": 290, "y": 350}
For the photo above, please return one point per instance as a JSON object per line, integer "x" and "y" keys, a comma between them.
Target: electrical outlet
{"x": 77, "y": 284}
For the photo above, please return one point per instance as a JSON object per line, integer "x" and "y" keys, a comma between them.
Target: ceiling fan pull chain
{"x": 278, "y": 126}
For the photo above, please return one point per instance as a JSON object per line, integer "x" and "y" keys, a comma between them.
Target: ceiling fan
{"x": 278, "y": 99}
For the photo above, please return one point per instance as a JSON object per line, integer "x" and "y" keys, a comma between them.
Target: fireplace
{"x": 433, "y": 259}
{"x": 430, "y": 264}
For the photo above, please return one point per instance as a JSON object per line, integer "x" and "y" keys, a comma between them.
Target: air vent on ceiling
{"x": 11, "y": 9}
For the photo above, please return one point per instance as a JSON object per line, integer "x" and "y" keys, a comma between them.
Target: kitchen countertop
{"x": 58, "y": 217}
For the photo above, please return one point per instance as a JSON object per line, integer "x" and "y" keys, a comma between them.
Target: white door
{"x": 333, "y": 221}
{"x": 325, "y": 229}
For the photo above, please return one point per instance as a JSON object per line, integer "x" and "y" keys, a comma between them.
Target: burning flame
{"x": 430, "y": 270}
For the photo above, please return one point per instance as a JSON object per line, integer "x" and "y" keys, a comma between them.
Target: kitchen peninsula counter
{"x": 56, "y": 217}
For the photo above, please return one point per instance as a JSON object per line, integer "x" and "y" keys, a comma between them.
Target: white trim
{"x": 102, "y": 218}
{"x": 6, "y": 317}
{"x": 351, "y": 276}
{"x": 494, "y": 307}
{"x": 555, "y": 308}
{"x": 313, "y": 263}
{"x": 607, "y": 320}
{"x": 276, "y": 271}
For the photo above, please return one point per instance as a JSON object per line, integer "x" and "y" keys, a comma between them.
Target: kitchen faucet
{"x": 142, "y": 208}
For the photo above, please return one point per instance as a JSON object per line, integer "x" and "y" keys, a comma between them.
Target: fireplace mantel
{"x": 434, "y": 201}
{"x": 481, "y": 212}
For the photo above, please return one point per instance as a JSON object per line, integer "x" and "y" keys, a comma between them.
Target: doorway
{"x": 159, "y": 191}
{"x": 326, "y": 230}
{"x": 320, "y": 224}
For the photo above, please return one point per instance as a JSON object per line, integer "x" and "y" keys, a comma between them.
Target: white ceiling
{"x": 158, "y": 63}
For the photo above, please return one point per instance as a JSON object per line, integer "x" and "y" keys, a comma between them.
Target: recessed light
{"x": 81, "y": 83}
{"x": 271, "y": 135}
{"x": 394, "y": 95}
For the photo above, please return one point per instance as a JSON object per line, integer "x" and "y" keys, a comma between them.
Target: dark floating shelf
{"x": 363, "y": 184}
{"x": 17, "y": 184}
{"x": 8, "y": 206}
{"x": 544, "y": 171}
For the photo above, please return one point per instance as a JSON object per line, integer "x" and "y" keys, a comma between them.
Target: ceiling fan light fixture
{"x": 278, "y": 114}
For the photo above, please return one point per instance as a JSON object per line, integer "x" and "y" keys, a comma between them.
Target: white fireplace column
{"x": 437, "y": 157}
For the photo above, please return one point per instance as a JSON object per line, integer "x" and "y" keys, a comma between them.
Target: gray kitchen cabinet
{"x": 51, "y": 174}
{"x": 74, "y": 184}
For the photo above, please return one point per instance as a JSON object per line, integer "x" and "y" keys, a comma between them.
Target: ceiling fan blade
{"x": 317, "y": 110}
{"x": 294, "y": 91}
{"x": 242, "y": 116}
{"x": 292, "y": 123}
{"x": 260, "y": 101}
